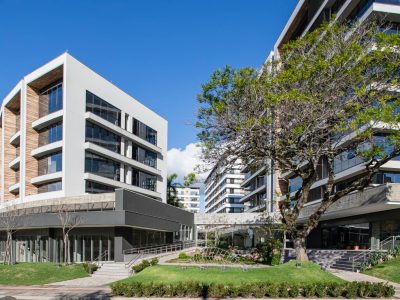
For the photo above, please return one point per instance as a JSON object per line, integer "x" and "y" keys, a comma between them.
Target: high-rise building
{"x": 361, "y": 218}
{"x": 223, "y": 190}
{"x": 67, "y": 134}
{"x": 189, "y": 197}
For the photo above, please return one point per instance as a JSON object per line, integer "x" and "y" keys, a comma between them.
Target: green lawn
{"x": 389, "y": 270}
{"x": 288, "y": 272}
{"x": 38, "y": 273}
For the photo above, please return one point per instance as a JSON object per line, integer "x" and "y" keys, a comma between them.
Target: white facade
{"x": 223, "y": 190}
{"x": 78, "y": 81}
{"x": 189, "y": 197}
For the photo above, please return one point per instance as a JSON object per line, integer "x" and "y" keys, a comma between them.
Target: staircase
{"x": 115, "y": 270}
{"x": 334, "y": 259}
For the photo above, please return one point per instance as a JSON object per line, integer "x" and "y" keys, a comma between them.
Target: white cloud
{"x": 184, "y": 161}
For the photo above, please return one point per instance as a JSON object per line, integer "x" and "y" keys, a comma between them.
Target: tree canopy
{"x": 332, "y": 91}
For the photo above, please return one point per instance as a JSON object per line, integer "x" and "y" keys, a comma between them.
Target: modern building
{"x": 259, "y": 195}
{"x": 67, "y": 133}
{"x": 361, "y": 218}
{"x": 223, "y": 190}
{"x": 189, "y": 197}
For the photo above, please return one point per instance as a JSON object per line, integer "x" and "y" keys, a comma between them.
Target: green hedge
{"x": 257, "y": 290}
{"x": 145, "y": 264}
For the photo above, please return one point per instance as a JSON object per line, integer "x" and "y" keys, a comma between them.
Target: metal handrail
{"x": 390, "y": 240}
{"x": 140, "y": 252}
{"x": 361, "y": 258}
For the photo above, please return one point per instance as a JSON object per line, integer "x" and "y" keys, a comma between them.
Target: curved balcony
{"x": 48, "y": 120}
{"x": 15, "y": 139}
{"x": 47, "y": 178}
{"x": 14, "y": 164}
{"x": 14, "y": 189}
{"x": 47, "y": 149}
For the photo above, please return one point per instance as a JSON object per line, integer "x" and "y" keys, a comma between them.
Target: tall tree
{"x": 172, "y": 197}
{"x": 327, "y": 94}
{"x": 189, "y": 179}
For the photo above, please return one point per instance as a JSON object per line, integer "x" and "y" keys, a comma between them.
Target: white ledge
{"x": 47, "y": 120}
{"x": 46, "y": 178}
{"x": 14, "y": 140}
{"x": 14, "y": 188}
{"x": 46, "y": 149}
{"x": 120, "y": 158}
{"x": 118, "y": 130}
{"x": 15, "y": 163}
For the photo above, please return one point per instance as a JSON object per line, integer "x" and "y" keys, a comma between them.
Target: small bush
{"x": 140, "y": 267}
{"x": 257, "y": 290}
{"x": 89, "y": 267}
{"x": 154, "y": 261}
{"x": 183, "y": 255}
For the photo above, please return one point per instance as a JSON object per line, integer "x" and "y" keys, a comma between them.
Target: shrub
{"x": 257, "y": 290}
{"x": 183, "y": 255}
{"x": 140, "y": 267}
{"x": 89, "y": 267}
{"x": 154, "y": 261}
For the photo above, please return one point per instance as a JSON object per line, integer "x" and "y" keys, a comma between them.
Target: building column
{"x": 122, "y": 241}
{"x": 375, "y": 235}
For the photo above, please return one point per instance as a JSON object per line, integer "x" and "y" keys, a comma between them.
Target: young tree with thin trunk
{"x": 328, "y": 94}
{"x": 10, "y": 222}
{"x": 68, "y": 221}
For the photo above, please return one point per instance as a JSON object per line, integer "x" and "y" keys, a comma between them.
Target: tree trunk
{"x": 300, "y": 248}
{"x": 8, "y": 257}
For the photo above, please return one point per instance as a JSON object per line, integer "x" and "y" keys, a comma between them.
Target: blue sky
{"x": 157, "y": 51}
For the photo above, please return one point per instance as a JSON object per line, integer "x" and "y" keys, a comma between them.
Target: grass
{"x": 38, "y": 273}
{"x": 308, "y": 273}
{"x": 389, "y": 270}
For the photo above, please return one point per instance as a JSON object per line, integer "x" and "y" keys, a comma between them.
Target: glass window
{"x": 145, "y": 132}
{"x": 295, "y": 184}
{"x": 96, "y": 188}
{"x": 54, "y": 96}
{"x": 55, "y": 133}
{"x": 144, "y": 156}
{"x": 50, "y": 164}
{"x": 102, "y": 166}
{"x": 103, "y": 137}
{"x": 103, "y": 109}
{"x": 144, "y": 180}
{"x": 50, "y": 187}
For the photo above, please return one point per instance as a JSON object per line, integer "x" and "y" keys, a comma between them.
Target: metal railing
{"x": 390, "y": 243}
{"x": 387, "y": 244}
{"x": 155, "y": 250}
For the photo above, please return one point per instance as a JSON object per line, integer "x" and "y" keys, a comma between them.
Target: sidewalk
{"x": 44, "y": 292}
{"x": 353, "y": 276}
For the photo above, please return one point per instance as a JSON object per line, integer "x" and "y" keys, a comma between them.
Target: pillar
{"x": 375, "y": 235}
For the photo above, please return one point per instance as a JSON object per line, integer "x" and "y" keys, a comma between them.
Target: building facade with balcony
{"x": 189, "y": 197}
{"x": 67, "y": 133}
{"x": 223, "y": 190}
{"x": 362, "y": 218}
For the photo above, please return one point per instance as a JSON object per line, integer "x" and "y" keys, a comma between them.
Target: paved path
{"x": 353, "y": 276}
{"x": 46, "y": 292}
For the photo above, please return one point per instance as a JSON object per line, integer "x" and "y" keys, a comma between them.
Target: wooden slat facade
{"x": 32, "y": 139}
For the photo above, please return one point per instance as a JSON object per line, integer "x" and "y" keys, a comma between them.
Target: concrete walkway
{"x": 45, "y": 292}
{"x": 353, "y": 276}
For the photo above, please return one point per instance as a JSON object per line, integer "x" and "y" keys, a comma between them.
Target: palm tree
{"x": 171, "y": 191}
